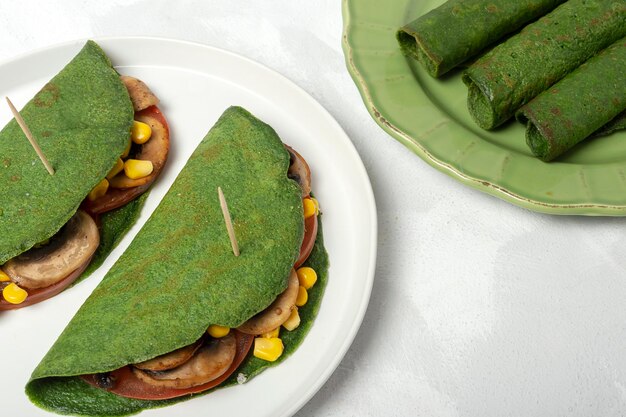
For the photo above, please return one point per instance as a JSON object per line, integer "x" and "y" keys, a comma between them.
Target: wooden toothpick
{"x": 228, "y": 221}
{"x": 29, "y": 136}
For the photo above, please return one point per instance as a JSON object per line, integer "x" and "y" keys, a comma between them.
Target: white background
{"x": 479, "y": 308}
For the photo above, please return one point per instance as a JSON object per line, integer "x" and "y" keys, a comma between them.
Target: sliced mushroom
{"x": 40, "y": 294}
{"x": 158, "y": 147}
{"x": 127, "y": 384}
{"x": 68, "y": 250}
{"x": 170, "y": 360}
{"x": 277, "y": 313}
{"x": 140, "y": 95}
{"x": 154, "y": 150}
{"x": 299, "y": 171}
{"x": 210, "y": 362}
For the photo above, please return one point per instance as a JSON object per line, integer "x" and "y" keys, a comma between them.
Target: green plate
{"x": 430, "y": 118}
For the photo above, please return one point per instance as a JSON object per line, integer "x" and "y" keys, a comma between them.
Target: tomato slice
{"x": 153, "y": 151}
{"x": 126, "y": 384}
{"x": 41, "y": 294}
{"x": 310, "y": 233}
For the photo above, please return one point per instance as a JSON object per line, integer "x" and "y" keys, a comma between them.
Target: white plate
{"x": 196, "y": 83}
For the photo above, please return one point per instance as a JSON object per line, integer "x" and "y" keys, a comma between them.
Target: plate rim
{"x": 481, "y": 184}
{"x": 372, "y": 219}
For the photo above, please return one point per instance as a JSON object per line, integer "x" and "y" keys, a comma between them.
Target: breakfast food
{"x": 178, "y": 313}
{"x": 458, "y": 30}
{"x": 519, "y": 69}
{"x": 58, "y": 228}
{"x": 578, "y": 105}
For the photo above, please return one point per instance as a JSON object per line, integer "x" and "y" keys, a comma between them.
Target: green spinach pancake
{"x": 458, "y": 30}
{"x": 591, "y": 99}
{"x": 107, "y": 142}
{"x": 179, "y": 313}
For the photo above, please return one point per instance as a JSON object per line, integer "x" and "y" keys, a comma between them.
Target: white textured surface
{"x": 479, "y": 308}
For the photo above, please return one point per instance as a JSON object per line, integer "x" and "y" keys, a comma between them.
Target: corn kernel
{"x": 140, "y": 133}
{"x": 119, "y": 166}
{"x": 14, "y": 294}
{"x": 273, "y": 333}
{"x": 218, "y": 331}
{"x": 309, "y": 208}
{"x": 268, "y": 349}
{"x": 127, "y": 150}
{"x": 293, "y": 321}
{"x": 4, "y": 277}
{"x": 99, "y": 190}
{"x": 302, "y": 297}
{"x": 307, "y": 276}
{"x": 135, "y": 168}
{"x": 317, "y": 205}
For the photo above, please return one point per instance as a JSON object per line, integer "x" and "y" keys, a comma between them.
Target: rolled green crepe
{"x": 460, "y": 29}
{"x": 179, "y": 275}
{"x": 514, "y": 72}
{"x": 81, "y": 120}
{"x": 578, "y": 105}
{"x": 617, "y": 124}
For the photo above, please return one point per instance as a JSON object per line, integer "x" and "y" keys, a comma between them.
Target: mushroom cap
{"x": 155, "y": 150}
{"x": 277, "y": 313}
{"x": 209, "y": 362}
{"x": 140, "y": 94}
{"x": 67, "y": 251}
{"x": 170, "y": 360}
{"x": 299, "y": 171}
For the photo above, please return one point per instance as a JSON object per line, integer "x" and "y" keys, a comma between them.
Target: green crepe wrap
{"x": 578, "y": 105}
{"x": 514, "y": 72}
{"x": 619, "y": 123}
{"x": 460, "y": 29}
{"x": 179, "y": 274}
{"x": 82, "y": 120}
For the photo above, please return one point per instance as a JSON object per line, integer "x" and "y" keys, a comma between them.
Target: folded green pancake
{"x": 516, "y": 71}
{"x": 578, "y": 105}
{"x": 460, "y": 29}
{"x": 179, "y": 275}
{"x": 81, "y": 120}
